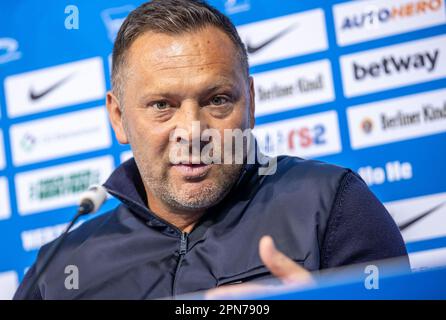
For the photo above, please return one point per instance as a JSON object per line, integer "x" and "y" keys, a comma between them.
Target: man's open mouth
{"x": 192, "y": 171}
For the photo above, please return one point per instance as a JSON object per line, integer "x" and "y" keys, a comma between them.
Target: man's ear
{"x": 116, "y": 118}
{"x": 252, "y": 102}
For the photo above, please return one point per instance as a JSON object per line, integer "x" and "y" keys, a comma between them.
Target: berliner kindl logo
{"x": 367, "y": 125}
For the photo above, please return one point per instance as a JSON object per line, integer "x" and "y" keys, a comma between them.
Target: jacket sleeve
{"x": 26, "y": 282}
{"x": 359, "y": 228}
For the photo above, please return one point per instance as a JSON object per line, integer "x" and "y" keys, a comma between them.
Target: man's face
{"x": 170, "y": 82}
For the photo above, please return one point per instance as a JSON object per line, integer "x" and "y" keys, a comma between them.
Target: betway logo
{"x": 391, "y": 64}
{"x": 394, "y": 66}
{"x": 358, "y": 21}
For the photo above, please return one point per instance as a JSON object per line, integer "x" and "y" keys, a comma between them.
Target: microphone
{"x": 90, "y": 201}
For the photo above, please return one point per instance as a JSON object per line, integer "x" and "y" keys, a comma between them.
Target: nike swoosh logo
{"x": 253, "y": 49}
{"x": 36, "y": 96}
{"x": 420, "y": 216}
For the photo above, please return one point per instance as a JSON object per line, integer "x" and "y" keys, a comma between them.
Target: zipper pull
{"x": 183, "y": 243}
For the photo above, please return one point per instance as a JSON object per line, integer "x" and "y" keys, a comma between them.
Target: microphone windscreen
{"x": 96, "y": 194}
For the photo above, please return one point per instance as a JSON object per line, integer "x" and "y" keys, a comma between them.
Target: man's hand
{"x": 288, "y": 271}
{"x": 280, "y": 265}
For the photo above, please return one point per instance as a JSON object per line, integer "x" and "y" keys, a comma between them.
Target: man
{"x": 188, "y": 225}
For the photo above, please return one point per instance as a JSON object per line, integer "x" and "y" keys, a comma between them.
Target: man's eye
{"x": 219, "y": 100}
{"x": 160, "y": 105}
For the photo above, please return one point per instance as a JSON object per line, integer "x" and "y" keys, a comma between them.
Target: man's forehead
{"x": 202, "y": 47}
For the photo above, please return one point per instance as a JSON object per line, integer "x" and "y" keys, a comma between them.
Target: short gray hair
{"x": 170, "y": 17}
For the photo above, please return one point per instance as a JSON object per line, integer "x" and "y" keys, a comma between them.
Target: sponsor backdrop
{"x": 360, "y": 84}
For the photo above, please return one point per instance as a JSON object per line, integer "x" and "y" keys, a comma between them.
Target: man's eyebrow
{"x": 215, "y": 86}
{"x": 222, "y": 83}
{"x": 157, "y": 95}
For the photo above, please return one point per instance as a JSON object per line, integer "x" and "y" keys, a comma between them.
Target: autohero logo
{"x": 394, "y": 66}
{"x": 374, "y": 17}
{"x": 389, "y": 65}
{"x": 357, "y": 21}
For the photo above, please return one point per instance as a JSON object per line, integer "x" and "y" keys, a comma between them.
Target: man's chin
{"x": 196, "y": 195}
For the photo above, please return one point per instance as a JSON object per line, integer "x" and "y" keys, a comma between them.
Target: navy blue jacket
{"x": 320, "y": 215}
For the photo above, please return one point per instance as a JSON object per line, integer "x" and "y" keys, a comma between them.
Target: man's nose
{"x": 191, "y": 120}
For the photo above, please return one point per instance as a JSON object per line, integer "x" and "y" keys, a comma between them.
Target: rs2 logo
{"x": 306, "y": 137}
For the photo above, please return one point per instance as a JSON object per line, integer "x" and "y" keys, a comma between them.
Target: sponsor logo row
{"x": 58, "y": 136}
{"x": 419, "y": 219}
{"x": 269, "y": 40}
{"x": 308, "y": 136}
{"x": 369, "y": 125}
{"x": 45, "y": 189}
{"x": 55, "y": 187}
{"x": 278, "y": 90}
{"x": 362, "y": 73}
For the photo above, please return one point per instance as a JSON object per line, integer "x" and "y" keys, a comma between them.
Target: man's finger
{"x": 233, "y": 291}
{"x": 280, "y": 265}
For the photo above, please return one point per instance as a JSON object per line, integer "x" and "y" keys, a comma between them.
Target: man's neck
{"x": 183, "y": 220}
